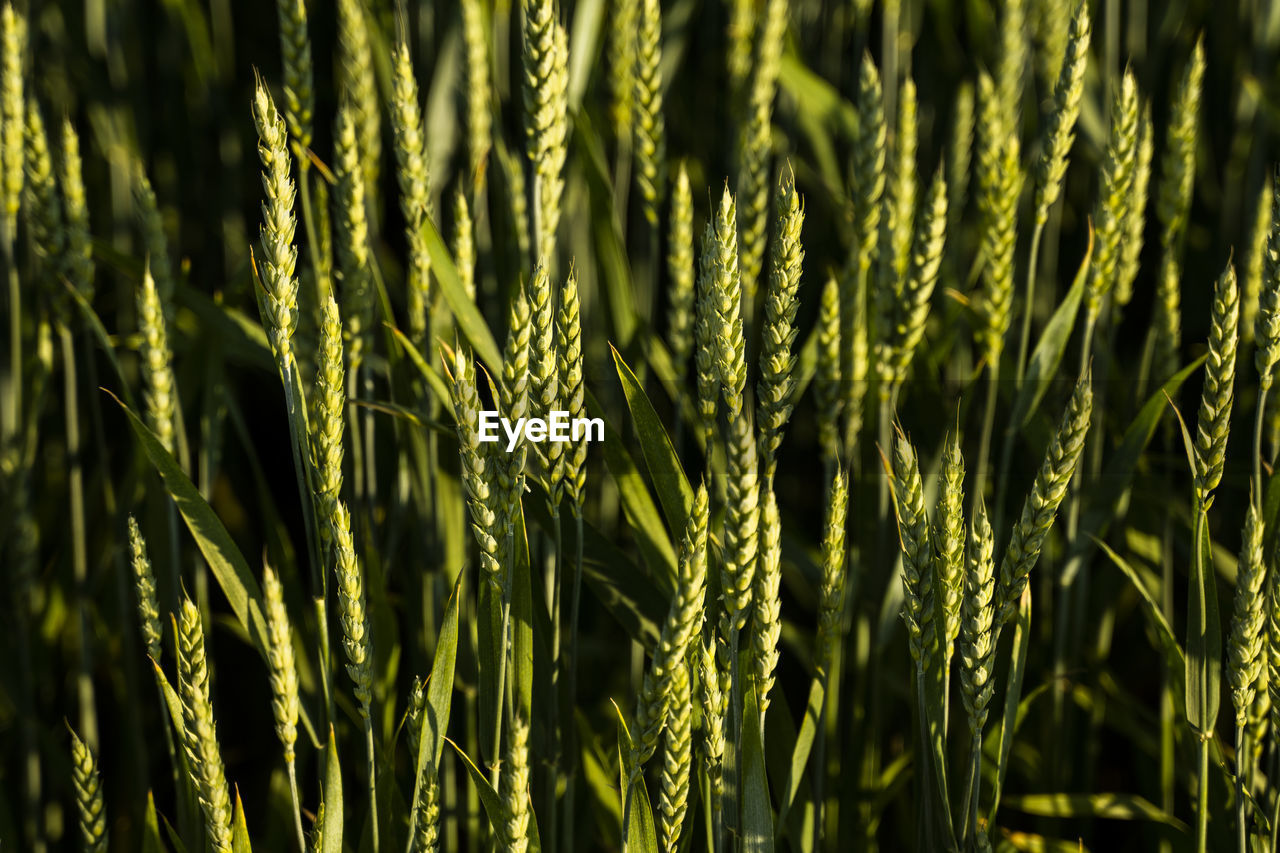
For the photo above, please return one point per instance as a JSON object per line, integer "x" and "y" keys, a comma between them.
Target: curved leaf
{"x": 669, "y": 480}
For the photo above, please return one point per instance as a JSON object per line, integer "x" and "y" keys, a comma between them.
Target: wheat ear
{"x": 414, "y": 180}
{"x": 90, "y": 803}
{"x": 777, "y": 361}
{"x": 1214, "y": 418}
{"x": 200, "y": 737}
{"x": 1041, "y": 505}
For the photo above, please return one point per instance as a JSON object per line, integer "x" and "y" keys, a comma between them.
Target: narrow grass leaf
{"x": 669, "y": 480}
{"x": 1110, "y": 806}
{"x": 1047, "y": 357}
{"x": 757, "y": 816}
{"x": 331, "y": 826}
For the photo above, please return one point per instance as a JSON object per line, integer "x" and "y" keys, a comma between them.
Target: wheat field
{"x": 627, "y": 425}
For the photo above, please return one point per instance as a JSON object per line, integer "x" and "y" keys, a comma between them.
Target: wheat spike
{"x": 949, "y": 542}
{"x": 768, "y": 602}
{"x": 1255, "y": 266}
{"x": 1060, "y": 124}
{"x": 79, "y": 258}
{"x": 356, "y": 636}
{"x": 1267, "y": 325}
{"x": 680, "y": 269}
{"x": 1214, "y": 418}
{"x": 327, "y": 421}
{"x": 1012, "y": 71}
{"x": 153, "y": 236}
{"x": 755, "y": 143}
{"x": 899, "y": 204}
{"x": 414, "y": 180}
{"x": 742, "y": 518}
{"x": 353, "y": 237}
{"x": 1041, "y": 505}
{"x": 911, "y": 310}
{"x": 831, "y": 593}
{"x": 720, "y": 245}
{"x": 464, "y": 244}
{"x": 13, "y": 40}
{"x": 90, "y": 803}
{"x": 651, "y": 142}
{"x": 684, "y": 620}
{"x": 1111, "y": 208}
{"x": 482, "y": 503}
{"x": 515, "y": 787}
{"x": 827, "y": 390}
{"x": 41, "y": 201}
{"x": 999, "y": 244}
{"x": 200, "y": 737}
{"x": 677, "y": 758}
{"x": 357, "y": 81}
{"x": 145, "y": 585}
{"x": 1245, "y": 645}
{"x": 479, "y": 117}
{"x": 569, "y": 349}
{"x": 1173, "y": 206}
{"x": 977, "y": 642}
{"x": 917, "y": 567}
{"x": 960, "y": 153}
{"x": 279, "y": 256}
{"x": 284, "y": 674}
{"x": 157, "y": 364}
{"x": 622, "y": 51}
{"x": 546, "y": 75}
{"x": 714, "y": 704}
{"x": 299, "y": 95}
{"x": 1135, "y": 213}
{"x": 777, "y": 361}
